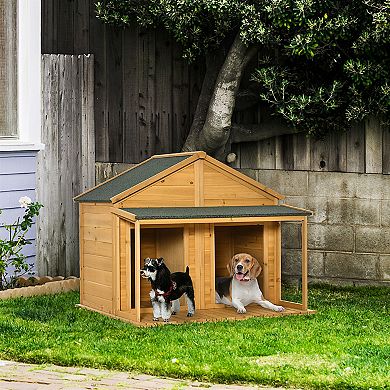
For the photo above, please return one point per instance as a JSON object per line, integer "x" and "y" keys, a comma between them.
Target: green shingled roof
{"x": 214, "y": 212}
{"x": 129, "y": 179}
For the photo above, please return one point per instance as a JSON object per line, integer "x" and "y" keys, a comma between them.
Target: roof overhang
{"x": 222, "y": 214}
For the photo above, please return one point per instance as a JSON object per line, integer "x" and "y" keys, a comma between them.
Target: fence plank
{"x": 337, "y": 152}
{"x": 98, "y": 47}
{"x": 386, "y": 150}
{"x": 130, "y": 96}
{"x": 355, "y": 149}
{"x": 66, "y": 166}
{"x": 114, "y": 99}
{"x": 301, "y": 152}
{"x": 373, "y": 146}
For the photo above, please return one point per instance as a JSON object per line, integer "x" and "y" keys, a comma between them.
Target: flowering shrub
{"x": 11, "y": 255}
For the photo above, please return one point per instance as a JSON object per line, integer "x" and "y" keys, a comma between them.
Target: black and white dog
{"x": 167, "y": 288}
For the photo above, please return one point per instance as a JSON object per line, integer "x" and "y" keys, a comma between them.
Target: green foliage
{"x": 330, "y": 58}
{"x": 11, "y": 248}
{"x": 346, "y": 345}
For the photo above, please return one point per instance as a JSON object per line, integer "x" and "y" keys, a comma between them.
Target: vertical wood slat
{"x": 97, "y": 43}
{"x": 163, "y": 103}
{"x": 386, "y": 151}
{"x": 8, "y": 69}
{"x": 66, "y": 166}
{"x": 355, "y": 149}
{"x": 130, "y": 95}
{"x": 373, "y": 145}
{"x": 114, "y": 103}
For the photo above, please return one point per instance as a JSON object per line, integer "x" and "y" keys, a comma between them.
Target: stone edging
{"x": 45, "y": 289}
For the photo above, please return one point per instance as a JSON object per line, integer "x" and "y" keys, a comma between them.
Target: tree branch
{"x": 259, "y": 132}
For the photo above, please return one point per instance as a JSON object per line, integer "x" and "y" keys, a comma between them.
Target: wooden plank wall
{"x": 363, "y": 149}
{"x": 145, "y": 94}
{"x": 67, "y": 165}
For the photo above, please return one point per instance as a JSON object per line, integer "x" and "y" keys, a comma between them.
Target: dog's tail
{"x": 187, "y": 270}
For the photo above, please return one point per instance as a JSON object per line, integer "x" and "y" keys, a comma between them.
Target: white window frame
{"x": 29, "y": 79}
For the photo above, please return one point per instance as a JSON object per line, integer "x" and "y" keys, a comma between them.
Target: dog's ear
{"x": 256, "y": 269}
{"x": 146, "y": 259}
{"x": 160, "y": 261}
{"x": 230, "y": 266}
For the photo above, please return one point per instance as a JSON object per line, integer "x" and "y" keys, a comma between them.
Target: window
{"x": 8, "y": 68}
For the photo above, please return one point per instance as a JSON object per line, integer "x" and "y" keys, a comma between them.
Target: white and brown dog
{"x": 242, "y": 288}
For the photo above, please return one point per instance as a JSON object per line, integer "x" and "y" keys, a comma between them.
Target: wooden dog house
{"x": 192, "y": 210}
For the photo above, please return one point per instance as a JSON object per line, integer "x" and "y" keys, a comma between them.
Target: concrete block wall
{"x": 349, "y": 233}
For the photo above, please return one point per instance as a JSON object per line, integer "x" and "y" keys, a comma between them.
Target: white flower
{"x": 174, "y": 360}
{"x": 24, "y": 202}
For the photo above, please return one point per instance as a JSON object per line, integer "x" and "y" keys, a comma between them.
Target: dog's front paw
{"x": 166, "y": 319}
{"x": 155, "y": 318}
{"x": 279, "y": 308}
{"x": 190, "y": 314}
{"x": 173, "y": 313}
{"x": 241, "y": 310}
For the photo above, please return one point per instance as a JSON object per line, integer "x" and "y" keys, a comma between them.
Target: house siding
{"x": 17, "y": 179}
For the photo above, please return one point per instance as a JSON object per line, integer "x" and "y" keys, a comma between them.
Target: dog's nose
{"x": 142, "y": 271}
{"x": 239, "y": 267}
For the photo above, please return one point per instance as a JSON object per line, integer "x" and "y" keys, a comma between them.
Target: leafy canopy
{"x": 323, "y": 63}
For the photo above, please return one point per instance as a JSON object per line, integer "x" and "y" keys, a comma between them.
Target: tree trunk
{"x": 212, "y": 125}
{"x": 213, "y": 65}
{"x": 216, "y": 130}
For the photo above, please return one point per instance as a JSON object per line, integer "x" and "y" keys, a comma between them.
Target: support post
{"x": 304, "y": 263}
{"x": 137, "y": 269}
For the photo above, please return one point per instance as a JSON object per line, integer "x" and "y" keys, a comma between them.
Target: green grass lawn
{"x": 346, "y": 345}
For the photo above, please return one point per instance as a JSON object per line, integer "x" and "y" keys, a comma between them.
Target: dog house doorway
{"x": 166, "y": 242}
{"x": 230, "y": 240}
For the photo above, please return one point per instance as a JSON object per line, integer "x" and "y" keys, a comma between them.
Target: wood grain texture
{"x": 373, "y": 145}
{"x": 66, "y": 166}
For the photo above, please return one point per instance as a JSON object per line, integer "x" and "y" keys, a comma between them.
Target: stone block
{"x": 384, "y": 268}
{"x": 373, "y": 186}
{"x": 287, "y": 183}
{"x": 385, "y": 213}
{"x": 353, "y": 211}
{"x": 332, "y": 184}
{"x": 349, "y": 185}
{"x": 330, "y": 237}
{"x": 373, "y": 240}
{"x": 319, "y": 207}
{"x": 291, "y": 262}
{"x": 315, "y": 264}
{"x": 351, "y": 265}
{"x": 291, "y": 236}
{"x": 296, "y": 201}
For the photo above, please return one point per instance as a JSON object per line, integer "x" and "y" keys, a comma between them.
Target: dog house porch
{"x": 205, "y": 239}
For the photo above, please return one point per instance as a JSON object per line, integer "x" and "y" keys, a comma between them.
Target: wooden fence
{"x": 363, "y": 149}
{"x": 145, "y": 93}
{"x": 67, "y": 165}
{"x": 145, "y": 96}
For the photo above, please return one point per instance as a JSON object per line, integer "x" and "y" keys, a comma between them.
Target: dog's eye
{"x": 247, "y": 260}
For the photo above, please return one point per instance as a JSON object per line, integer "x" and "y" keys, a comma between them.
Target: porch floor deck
{"x": 219, "y": 314}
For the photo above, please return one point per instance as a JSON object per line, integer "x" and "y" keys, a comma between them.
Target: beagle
{"x": 242, "y": 288}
